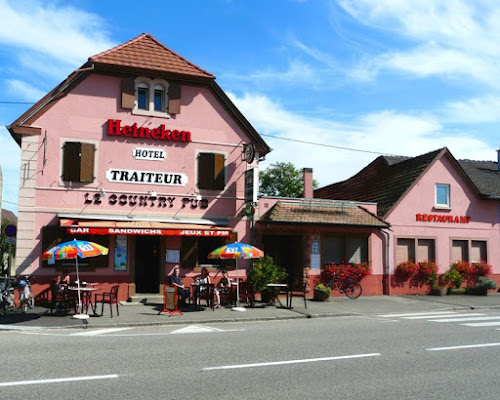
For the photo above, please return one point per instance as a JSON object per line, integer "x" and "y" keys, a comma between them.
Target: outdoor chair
{"x": 299, "y": 292}
{"x": 62, "y": 298}
{"x": 110, "y": 298}
{"x": 247, "y": 294}
{"x": 206, "y": 291}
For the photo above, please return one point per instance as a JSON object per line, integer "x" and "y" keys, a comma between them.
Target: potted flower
{"x": 438, "y": 285}
{"x": 481, "y": 287}
{"x": 321, "y": 292}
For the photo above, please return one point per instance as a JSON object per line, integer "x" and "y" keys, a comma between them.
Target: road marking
{"x": 99, "y": 332}
{"x": 267, "y": 364}
{"x": 468, "y": 346}
{"x": 196, "y": 329}
{"x": 432, "y": 316}
{"x": 59, "y": 380}
{"x": 463, "y": 319}
{"x": 418, "y": 313}
{"x": 18, "y": 328}
{"x": 479, "y": 324}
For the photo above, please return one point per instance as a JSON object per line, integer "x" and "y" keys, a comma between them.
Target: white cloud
{"x": 67, "y": 34}
{"x": 10, "y": 155}
{"x": 450, "y": 38}
{"x": 387, "y": 132}
{"x": 24, "y": 90}
{"x": 476, "y": 110}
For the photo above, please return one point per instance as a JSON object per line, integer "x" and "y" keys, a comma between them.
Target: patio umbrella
{"x": 235, "y": 251}
{"x": 72, "y": 250}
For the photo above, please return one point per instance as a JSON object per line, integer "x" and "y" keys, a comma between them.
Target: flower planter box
{"x": 319, "y": 295}
{"x": 456, "y": 291}
{"x": 476, "y": 291}
{"x": 439, "y": 291}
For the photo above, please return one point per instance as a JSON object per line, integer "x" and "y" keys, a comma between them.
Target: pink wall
{"x": 464, "y": 202}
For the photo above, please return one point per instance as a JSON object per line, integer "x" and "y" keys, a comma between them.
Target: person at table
{"x": 203, "y": 279}
{"x": 176, "y": 280}
{"x": 224, "y": 286}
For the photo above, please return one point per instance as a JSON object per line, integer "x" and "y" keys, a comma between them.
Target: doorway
{"x": 288, "y": 252}
{"x": 147, "y": 265}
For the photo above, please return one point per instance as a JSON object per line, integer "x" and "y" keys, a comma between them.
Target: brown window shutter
{"x": 87, "y": 163}
{"x": 174, "y": 98}
{"x": 128, "y": 93}
{"x": 219, "y": 176}
{"x": 206, "y": 171}
{"x": 71, "y": 162}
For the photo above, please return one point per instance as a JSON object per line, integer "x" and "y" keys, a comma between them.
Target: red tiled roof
{"x": 322, "y": 213}
{"x": 146, "y": 53}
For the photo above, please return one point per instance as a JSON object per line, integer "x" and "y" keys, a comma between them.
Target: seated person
{"x": 224, "y": 286}
{"x": 176, "y": 280}
{"x": 204, "y": 278}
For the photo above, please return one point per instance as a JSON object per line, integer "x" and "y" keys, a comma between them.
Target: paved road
{"x": 381, "y": 356}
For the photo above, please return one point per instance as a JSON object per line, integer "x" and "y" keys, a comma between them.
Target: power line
{"x": 16, "y": 102}
{"x": 10, "y": 202}
{"x": 330, "y": 145}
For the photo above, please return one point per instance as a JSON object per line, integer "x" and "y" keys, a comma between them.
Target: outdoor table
{"x": 86, "y": 297}
{"x": 280, "y": 288}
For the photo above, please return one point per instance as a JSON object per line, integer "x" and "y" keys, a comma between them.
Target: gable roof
{"x": 321, "y": 212}
{"x": 385, "y": 180}
{"x": 145, "y": 53}
{"x": 141, "y": 55}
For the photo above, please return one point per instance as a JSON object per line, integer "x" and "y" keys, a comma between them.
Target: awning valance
{"x": 152, "y": 228}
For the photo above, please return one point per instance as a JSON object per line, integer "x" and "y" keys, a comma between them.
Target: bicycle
{"x": 26, "y": 298}
{"x": 351, "y": 289}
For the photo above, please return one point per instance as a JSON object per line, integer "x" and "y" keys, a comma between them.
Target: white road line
{"x": 479, "y": 324}
{"x": 19, "y": 328}
{"x": 418, "y": 313}
{"x": 463, "y": 319}
{"x": 59, "y": 380}
{"x": 468, "y": 346}
{"x": 99, "y": 332}
{"x": 442, "y": 316}
{"x": 266, "y": 364}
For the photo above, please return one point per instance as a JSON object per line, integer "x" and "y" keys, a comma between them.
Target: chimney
{"x": 307, "y": 175}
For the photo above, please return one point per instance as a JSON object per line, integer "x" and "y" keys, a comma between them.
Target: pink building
{"x": 439, "y": 209}
{"x": 141, "y": 151}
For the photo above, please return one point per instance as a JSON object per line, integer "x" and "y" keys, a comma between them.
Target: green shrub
{"x": 486, "y": 283}
{"x": 266, "y": 271}
{"x": 322, "y": 288}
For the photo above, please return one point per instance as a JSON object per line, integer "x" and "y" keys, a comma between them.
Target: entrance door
{"x": 288, "y": 252}
{"x": 147, "y": 271}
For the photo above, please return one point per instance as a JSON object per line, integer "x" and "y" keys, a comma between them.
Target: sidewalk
{"x": 136, "y": 314}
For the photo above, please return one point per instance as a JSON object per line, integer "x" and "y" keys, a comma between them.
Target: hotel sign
{"x": 141, "y": 153}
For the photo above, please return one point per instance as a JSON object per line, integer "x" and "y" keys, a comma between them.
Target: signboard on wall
{"x": 315, "y": 254}
{"x": 251, "y": 185}
{"x": 120, "y": 263}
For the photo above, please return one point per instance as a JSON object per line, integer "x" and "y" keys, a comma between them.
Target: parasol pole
{"x": 237, "y": 285}
{"x": 78, "y": 285}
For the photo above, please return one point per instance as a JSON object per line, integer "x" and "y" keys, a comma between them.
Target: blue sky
{"x": 389, "y": 76}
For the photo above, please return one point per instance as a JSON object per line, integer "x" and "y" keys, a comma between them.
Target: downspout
{"x": 387, "y": 265}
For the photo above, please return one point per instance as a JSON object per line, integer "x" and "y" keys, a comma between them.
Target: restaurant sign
{"x": 452, "y": 219}
{"x": 149, "y": 232}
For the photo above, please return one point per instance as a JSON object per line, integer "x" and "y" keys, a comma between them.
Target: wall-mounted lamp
{"x": 102, "y": 193}
{"x": 198, "y": 197}
{"x": 152, "y": 193}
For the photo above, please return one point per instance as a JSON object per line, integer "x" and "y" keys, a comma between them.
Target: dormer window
{"x": 159, "y": 99}
{"x": 153, "y": 97}
{"x": 142, "y": 96}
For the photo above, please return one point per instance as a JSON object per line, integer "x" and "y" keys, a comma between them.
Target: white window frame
{"x": 151, "y": 85}
{"x": 439, "y": 205}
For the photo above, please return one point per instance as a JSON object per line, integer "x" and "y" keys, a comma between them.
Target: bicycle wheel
{"x": 353, "y": 290}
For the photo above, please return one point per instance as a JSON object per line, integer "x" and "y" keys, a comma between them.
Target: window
{"x": 195, "y": 251}
{"x": 142, "y": 97}
{"x": 339, "y": 249}
{"x": 78, "y": 162}
{"x": 158, "y": 99}
{"x": 211, "y": 171}
{"x": 442, "y": 195}
{"x": 469, "y": 250}
{"x": 412, "y": 249}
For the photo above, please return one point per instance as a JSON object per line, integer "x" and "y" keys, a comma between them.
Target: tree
{"x": 282, "y": 179}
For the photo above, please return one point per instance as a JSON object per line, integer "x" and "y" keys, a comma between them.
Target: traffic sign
{"x": 10, "y": 240}
{"x": 10, "y": 230}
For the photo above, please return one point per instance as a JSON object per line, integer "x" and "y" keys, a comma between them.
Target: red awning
{"x": 151, "y": 228}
